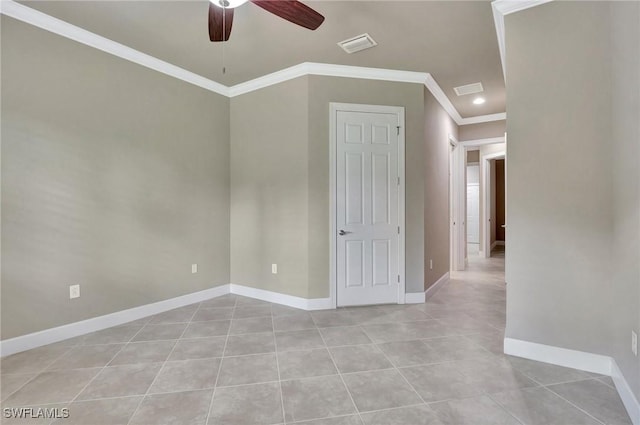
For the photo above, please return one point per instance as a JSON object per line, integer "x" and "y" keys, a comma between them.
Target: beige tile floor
{"x": 235, "y": 360}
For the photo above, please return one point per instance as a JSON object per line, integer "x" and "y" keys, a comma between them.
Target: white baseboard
{"x": 589, "y": 362}
{"x": 414, "y": 298}
{"x": 71, "y": 330}
{"x": 283, "y": 299}
{"x": 422, "y": 297}
{"x": 629, "y": 399}
{"x": 431, "y": 291}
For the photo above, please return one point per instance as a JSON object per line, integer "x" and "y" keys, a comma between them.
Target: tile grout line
{"x": 163, "y": 364}
{"x": 504, "y": 409}
{"x": 397, "y": 370}
{"x": 67, "y": 405}
{"x": 353, "y": 402}
{"x": 224, "y": 349}
{"x": 275, "y": 347}
{"x": 574, "y": 405}
{"x": 36, "y": 374}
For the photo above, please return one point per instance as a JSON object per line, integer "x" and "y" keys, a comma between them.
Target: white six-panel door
{"x": 367, "y": 207}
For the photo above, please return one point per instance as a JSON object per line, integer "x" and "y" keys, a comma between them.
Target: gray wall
{"x": 114, "y": 177}
{"x": 438, "y": 126}
{"x": 559, "y": 186}
{"x": 279, "y": 206}
{"x": 269, "y": 188}
{"x": 483, "y": 130}
{"x": 626, "y": 186}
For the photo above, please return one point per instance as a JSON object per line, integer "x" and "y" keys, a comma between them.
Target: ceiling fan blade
{"x": 292, "y": 11}
{"x": 220, "y": 22}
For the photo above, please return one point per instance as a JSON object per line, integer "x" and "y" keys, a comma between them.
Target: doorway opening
{"x": 494, "y": 204}
{"x": 470, "y": 195}
{"x": 473, "y": 203}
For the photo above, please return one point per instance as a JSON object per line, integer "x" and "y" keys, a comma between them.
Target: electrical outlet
{"x": 274, "y": 268}
{"x": 74, "y": 291}
{"x": 634, "y": 343}
{"x": 194, "y": 268}
{"x": 430, "y": 264}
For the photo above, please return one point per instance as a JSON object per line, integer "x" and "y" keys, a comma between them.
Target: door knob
{"x": 342, "y": 232}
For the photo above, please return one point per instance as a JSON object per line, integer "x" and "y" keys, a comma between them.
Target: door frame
{"x": 457, "y": 205}
{"x": 460, "y": 190}
{"x": 486, "y": 195}
{"x": 334, "y": 108}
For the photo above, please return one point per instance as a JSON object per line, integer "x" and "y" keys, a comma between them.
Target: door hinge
{"x": 398, "y": 181}
{"x": 398, "y": 278}
{"x": 398, "y": 130}
{"x": 398, "y": 229}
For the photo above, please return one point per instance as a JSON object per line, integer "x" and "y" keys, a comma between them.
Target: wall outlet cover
{"x": 634, "y": 343}
{"x": 194, "y": 268}
{"x": 274, "y": 268}
{"x": 74, "y": 291}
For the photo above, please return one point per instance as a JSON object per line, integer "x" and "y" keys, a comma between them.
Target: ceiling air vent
{"x": 469, "y": 89}
{"x": 355, "y": 44}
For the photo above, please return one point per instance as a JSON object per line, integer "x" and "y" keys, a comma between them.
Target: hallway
{"x": 235, "y": 360}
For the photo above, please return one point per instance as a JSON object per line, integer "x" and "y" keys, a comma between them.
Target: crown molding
{"x": 328, "y": 70}
{"x": 72, "y": 32}
{"x": 49, "y": 23}
{"x": 502, "y": 8}
{"x": 483, "y": 118}
{"x": 442, "y": 98}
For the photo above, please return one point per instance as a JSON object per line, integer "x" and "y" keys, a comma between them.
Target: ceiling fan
{"x": 221, "y": 15}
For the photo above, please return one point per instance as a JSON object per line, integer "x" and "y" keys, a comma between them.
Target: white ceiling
{"x": 455, "y": 41}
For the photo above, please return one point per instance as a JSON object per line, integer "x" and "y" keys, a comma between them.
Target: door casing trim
{"x": 352, "y": 107}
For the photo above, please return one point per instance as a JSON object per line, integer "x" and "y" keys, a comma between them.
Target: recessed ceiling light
{"x": 479, "y": 101}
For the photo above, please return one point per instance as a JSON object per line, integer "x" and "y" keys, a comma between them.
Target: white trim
{"x": 483, "y": 118}
{"x": 431, "y": 290}
{"x": 442, "y": 98}
{"x": 49, "y": 336}
{"x": 501, "y": 8}
{"x": 329, "y": 70}
{"x": 457, "y": 206}
{"x": 482, "y": 142}
{"x": 626, "y": 394}
{"x": 414, "y": 298}
{"x": 333, "y": 227}
{"x": 589, "y": 362}
{"x": 49, "y": 23}
{"x": 333, "y": 110}
{"x": 422, "y": 297}
{"x": 71, "y": 330}
{"x": 72, "y": 32}
{"x": 283, "y": 299}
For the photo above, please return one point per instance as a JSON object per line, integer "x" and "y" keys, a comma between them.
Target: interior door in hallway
{"x": 367, "y": 208}
{"x": 473, "y": 204}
